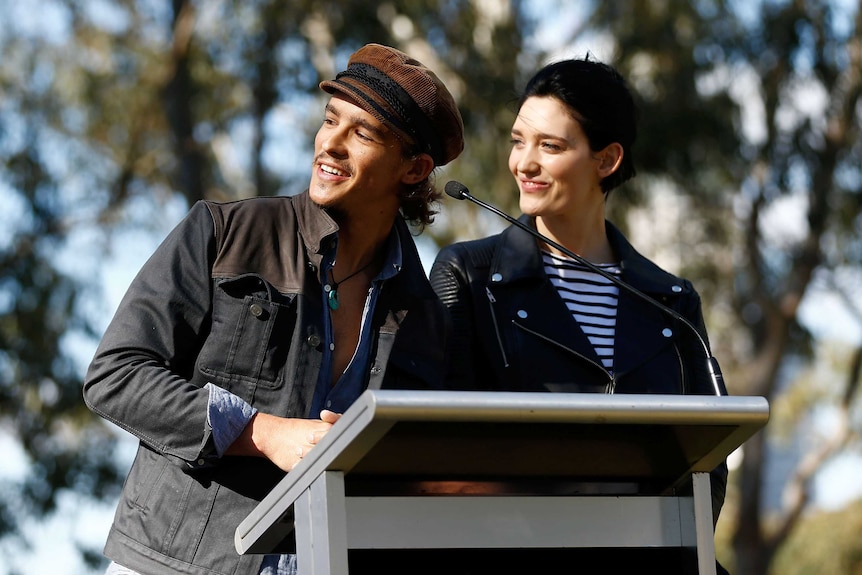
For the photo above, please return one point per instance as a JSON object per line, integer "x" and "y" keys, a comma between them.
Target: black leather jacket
{"x": 512, "y": 331}
{"x": 233, "y": 297}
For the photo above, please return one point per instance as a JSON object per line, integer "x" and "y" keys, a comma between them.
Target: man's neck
{"x": 360, "y": 242}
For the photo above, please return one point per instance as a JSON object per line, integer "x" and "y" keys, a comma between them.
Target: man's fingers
{"x": 329, "y": 416}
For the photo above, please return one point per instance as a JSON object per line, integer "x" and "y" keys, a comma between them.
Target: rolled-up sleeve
{"x": 227, "y": 417}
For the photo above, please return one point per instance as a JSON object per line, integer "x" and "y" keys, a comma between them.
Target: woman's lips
{"x": 532, "y": 185}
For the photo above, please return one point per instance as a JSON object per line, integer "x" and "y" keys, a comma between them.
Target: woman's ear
{"x": 610, "y": 159}
{"x": 421, "y": 167}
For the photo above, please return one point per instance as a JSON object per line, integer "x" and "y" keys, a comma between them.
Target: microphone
{"x": 459, "y": 191}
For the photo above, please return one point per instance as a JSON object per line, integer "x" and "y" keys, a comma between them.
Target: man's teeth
{"x": 333, "y": 171}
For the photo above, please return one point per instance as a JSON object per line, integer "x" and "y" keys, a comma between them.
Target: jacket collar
{"x": 319, "y": 233}
{"x": 316, "y": 227}
{"x": 519, "y": 259}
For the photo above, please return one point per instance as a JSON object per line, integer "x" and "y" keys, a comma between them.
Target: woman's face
{"x": 556, "y": 171}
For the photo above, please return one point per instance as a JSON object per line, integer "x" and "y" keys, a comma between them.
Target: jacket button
{"x": 497, "y": 278}
{"x": 667, "y": 332}
{"x": 522, "y": 314}
{"x": 256, "y": 310}
{"x": 313, "y": 340}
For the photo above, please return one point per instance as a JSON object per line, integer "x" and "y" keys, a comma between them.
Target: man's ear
{"x": 610, "y": 159}
{"x": 421, "y": 167}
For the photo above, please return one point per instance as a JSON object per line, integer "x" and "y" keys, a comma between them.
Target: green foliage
{"x": 824, "y": 542}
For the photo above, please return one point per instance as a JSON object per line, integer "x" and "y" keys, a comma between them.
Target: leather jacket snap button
{"x": 313, "y": 340}
{"x": 256, "y": 310}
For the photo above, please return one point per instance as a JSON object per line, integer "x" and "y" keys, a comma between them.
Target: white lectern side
{"x": 494, "y": 470}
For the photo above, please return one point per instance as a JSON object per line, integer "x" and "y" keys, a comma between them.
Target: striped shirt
{"x": 592, "y": 299}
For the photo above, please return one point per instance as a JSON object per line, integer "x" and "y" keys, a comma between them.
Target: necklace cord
{"x": 335, "y": 284}
{"x": 332, "y": 290}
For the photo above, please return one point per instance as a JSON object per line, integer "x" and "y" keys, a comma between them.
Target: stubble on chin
{"x": 320, "y": 201}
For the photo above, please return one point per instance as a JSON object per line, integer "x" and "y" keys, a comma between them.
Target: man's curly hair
{"x": 418, "y": 203}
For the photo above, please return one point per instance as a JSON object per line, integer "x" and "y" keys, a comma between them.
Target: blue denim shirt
{"x": 351, "y": 383}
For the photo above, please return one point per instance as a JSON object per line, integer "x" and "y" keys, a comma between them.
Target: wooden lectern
{"x": 499, "y": 470}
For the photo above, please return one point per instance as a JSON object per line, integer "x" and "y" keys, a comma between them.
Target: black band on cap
{"x": 410, "y": 118}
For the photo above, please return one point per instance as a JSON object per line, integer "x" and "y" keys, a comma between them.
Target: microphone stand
{"x": 459, "y": 191}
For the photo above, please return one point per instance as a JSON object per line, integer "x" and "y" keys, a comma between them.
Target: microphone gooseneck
{"x": 459, "y": 191}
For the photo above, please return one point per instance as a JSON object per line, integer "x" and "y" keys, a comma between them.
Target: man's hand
{"x": 284, "y": 441}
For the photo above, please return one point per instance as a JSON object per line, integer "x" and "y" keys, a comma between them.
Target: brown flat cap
{"x": 406, "y": 96}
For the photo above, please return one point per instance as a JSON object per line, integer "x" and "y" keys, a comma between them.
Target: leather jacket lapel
{"x": 642, "y": 333}
{"x": 527, "y": 299}
{"x": 646, "y": 330}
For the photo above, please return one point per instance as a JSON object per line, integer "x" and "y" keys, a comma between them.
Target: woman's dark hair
{"x": 599, "y": 99}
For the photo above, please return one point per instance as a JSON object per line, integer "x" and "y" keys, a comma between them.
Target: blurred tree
{"x": 826, "y": 542}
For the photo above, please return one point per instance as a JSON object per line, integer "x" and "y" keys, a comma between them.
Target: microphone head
{"x": 456, "y": 190}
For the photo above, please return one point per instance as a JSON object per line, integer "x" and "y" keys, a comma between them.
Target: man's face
{"x": 359, "y": 165}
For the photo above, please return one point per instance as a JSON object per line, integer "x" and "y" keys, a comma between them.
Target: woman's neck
{"x": 586, "y": 237}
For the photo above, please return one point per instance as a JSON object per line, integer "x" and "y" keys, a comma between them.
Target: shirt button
{"x": 497, "y": 278}
{"x": 331, "y": 347}
{"x": 328, "y": 404}
{"x": 256, "y": 310}
{"x": 676, "y": 289}
{"x": 522, "y": 314}
{"x": 667, "y": 332}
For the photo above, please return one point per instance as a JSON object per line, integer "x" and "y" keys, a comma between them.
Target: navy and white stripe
{"x": 592, "y": 299}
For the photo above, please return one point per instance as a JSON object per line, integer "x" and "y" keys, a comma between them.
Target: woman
{"x": 527, "y": 317}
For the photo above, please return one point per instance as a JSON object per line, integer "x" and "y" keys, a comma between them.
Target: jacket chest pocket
{"x": 252, "y": 327}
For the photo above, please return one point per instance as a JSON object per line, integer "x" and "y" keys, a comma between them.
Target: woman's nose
{"x": 525, "y": 160}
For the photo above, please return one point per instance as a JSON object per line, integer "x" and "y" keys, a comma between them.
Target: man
{"x": 257, "y": 322}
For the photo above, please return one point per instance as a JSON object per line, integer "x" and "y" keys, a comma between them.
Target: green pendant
{"x": 332, "y": 299}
